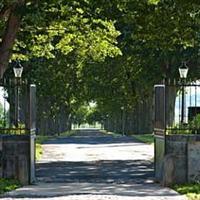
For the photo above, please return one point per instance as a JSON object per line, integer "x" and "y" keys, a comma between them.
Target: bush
{"x": 195, "y": 123}
{"x": 192, "y": 191}
{"x": 7, "y": 185}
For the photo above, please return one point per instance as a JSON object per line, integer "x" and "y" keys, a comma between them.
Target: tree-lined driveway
{"x": 92, "y": 165}
{"x": 93, "y": 157}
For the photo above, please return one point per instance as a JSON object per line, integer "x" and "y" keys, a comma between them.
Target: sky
{"x": 2, "y": 101}
{"x": 190, "y": 94}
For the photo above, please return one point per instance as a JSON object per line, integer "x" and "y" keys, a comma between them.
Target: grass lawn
{"x": 39, "y": 140}
{"x": 7, "y": 185}
{"x": 146, "y": 138}
{"x": 192, "y": 191}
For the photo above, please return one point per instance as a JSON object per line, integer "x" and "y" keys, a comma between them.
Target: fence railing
{"x": 13, "y": 107}
{"x": 182, "y": 107}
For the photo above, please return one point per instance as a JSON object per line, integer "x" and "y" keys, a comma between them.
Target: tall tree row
{"x": 156, "y": 37}
{"x": 67, "y": 37}
{"x": 109, "y": 52}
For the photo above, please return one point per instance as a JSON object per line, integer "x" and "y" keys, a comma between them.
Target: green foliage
{"x": 111, "y": 52}
{"x": 193, "y": 196}
{"x": 195, "y": 123}
{"x": 155, "y": 37}
{"x": 146, "y": 138}
{"x": 79, "y": 116}
{"x": 7, "y": 185}
{"x": 94, "y": 115}
{"x": 179, "y": 129}
{"x": 39, "y": 140}
{"x": 57, "y": 42}
{"x": 1, "y": 116}
{"x": 154, "y": 1}
{"x": 192, "y": 127}
{"x": 68, "y": 133}
{"x": 192, "y": 191}
{"x": 38, "y": 151}
{"x": 66, "y": 28}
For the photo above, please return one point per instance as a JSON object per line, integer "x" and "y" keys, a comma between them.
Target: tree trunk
{"x": 8, "y": 39}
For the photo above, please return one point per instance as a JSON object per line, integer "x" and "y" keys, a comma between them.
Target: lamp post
{"x": 183, "y": 71}
{"x": 123, "y": 120}
{"x": 18, "y": 69}
{"x": 106, "y": 125}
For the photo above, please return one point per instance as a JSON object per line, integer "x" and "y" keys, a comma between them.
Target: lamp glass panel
{"x": 18, "y": 72}
{"x": 183, "y": 72}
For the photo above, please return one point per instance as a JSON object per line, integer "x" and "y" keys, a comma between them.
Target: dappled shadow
{"x": 101, "y": 139}
{"x": 103, "y": 171}
{"x": 106, "y": 177}
{"x": 117, "y": 169}
{"x": 117, "y": 179}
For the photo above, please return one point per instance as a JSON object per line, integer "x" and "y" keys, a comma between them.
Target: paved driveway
{"x": 91, "y": 165}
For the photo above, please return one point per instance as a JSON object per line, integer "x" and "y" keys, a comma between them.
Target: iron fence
{"x": 13, "y": 107}
{"x": 182, "y": 107}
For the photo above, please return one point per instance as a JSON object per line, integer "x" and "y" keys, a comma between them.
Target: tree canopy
{"x": 111, "y": 52}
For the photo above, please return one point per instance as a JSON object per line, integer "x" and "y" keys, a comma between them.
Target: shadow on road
{"x": 103, "y": 171}
{"x": 91, "y": 164}
{"x": 88, "y": 139}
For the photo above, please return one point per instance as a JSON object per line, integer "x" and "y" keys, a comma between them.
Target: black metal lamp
{"x": 183, "y": 71}
{"x": 18, "y": 70}
{"x": 123, "y": 120}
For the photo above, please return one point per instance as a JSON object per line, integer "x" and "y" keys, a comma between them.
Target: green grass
{"x": 7, "y": 185}
{"x": 38, "y": 151}
{"x": 39, "y": 140}
{"x": 68, "y": 133}
{"x": 192, "y": 191}
{"x": 146, "y": 138}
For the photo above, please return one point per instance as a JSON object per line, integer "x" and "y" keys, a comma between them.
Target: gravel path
{"x": 94, "y": 166}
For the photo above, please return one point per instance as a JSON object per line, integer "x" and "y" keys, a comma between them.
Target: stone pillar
{"x": 16, "y": 158}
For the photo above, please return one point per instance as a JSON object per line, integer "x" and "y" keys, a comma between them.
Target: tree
{"x": 156, "y": 36}
{"x": 11, "y": 17}
{"x": 55, "y": 54}
{"x": 111, "y": 52}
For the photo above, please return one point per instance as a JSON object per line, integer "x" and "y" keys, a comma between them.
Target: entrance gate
{"x": 177, "y": 132}
{"x": 17, "y": 132}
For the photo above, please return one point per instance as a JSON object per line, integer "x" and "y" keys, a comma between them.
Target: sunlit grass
{"x": 146, "y": 138}
{"x": 68, "y": 133}
{"x": 38, "y": 151}
{"x": 7, "y": 185}
{"x": 192, "y": 191}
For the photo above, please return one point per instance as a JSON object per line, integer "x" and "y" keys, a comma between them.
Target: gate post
{"x": 159, "y": 131}
{"x": 32, "y": 129}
